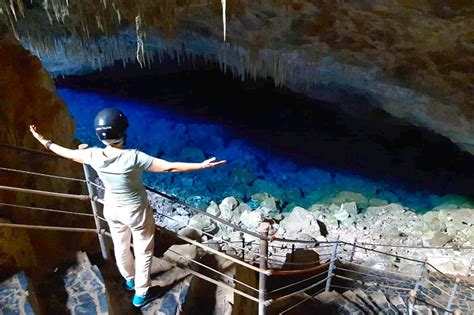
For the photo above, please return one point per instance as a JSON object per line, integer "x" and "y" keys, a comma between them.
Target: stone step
{"x": 379, "y": 299}
{"x": 14, "y": 295}
{"x": 335, "y": 303}
{"x": 354, "y": 298}
{"x": 368, "y": 302}
{"x": 170, "y": 299}
{"x": 85, "y": 288}
{"x": 398, "y": 303}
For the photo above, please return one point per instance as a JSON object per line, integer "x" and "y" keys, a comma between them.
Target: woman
{"x": 126, "y": 206}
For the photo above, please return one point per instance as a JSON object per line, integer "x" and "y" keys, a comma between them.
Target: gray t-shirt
{"x": 121, "y": 175}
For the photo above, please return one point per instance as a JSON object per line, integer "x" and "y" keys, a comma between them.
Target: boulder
{"x": 341, "y": 214}
{"x": 463, "y": 216}
{"x": 213, "y": 209}
{"x": 351, "y": 208}
{"x": 349, "y": 196}
{"x": 300, "y": 220}
{"x": 226, "y": 207}
{"x": 375, "y": 202}
{"x": 392, "y": 209}
{"x": 251, "y": 219}
{"x": 176, "y": 222}
{"x": 438, "y": 239}
{"x": 203, "y": 223}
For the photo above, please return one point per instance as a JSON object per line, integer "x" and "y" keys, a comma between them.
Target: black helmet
{"x": 110, "y": 124}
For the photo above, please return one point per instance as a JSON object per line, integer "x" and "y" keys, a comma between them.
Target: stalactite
{"x": 224, "y": 24}
{"x": 140, "y": 41}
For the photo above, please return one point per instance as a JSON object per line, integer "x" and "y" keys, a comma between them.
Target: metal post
{"x": 242, "y": 235}
{"x": 411, "y": 302}
{"x": 262, "y": 279}
{"x": 420, "y": 276}
{"x": 292, "y": 258}
{"x": 353, "y": 250}
{"x": 91, "y": 175}
{"x": 331, "y": 266}
{"x": 453, "y": 293}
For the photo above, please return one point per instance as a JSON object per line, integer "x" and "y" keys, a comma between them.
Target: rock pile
{"x": 442, "y": 233}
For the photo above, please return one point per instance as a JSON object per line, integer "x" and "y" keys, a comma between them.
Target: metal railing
{"x": 324, "y": 270}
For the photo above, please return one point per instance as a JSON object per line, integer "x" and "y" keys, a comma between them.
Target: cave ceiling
{"x": 412, "y": 58}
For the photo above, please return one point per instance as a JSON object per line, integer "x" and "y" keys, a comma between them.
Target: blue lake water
{"x": 252, "y": 166}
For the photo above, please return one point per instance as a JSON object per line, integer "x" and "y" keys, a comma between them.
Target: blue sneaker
{"x": 139, "y": 300}
{"x": 130, "y": 285}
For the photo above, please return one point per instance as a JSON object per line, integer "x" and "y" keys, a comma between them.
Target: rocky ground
{"x": 446, "y": 234}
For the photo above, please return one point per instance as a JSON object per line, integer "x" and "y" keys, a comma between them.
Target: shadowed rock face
{"x": 28, "y": 96}
{"x": 412, "y": 58}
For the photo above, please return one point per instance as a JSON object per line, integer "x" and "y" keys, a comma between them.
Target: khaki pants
{"x": 137, "y": 223}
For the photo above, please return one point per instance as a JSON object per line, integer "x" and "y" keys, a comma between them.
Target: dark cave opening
{"x": 351, "y": 136}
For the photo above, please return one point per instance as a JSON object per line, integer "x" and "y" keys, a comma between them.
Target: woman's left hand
{"x": 210, "y": 163}
{"x": 37, "y": 135}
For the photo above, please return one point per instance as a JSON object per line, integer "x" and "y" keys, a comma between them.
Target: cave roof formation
{"x": 411, "y": 58}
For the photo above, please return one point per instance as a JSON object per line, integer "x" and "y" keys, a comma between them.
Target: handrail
{"x": 216, "y": 252}
{"x": 399, "y": 274}
{"x": 281, "y": 298}
{"x": 11, "y": 146}
{"x": 435, "y": 305}
{"x": 215, "y": 271}
{"x": 54, "y": 228}
{"x": 49, "y": 210}
{"x": 417, "y": 247}
{"x": 263, "y": 270}
{"x": 216, "y": 218}
{"x": 296, "y": 283}
{"x": 41, "y": 174}
{"x": 45, "y": 193}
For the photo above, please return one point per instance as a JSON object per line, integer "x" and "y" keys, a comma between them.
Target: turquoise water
{"x": 251, "y": 168}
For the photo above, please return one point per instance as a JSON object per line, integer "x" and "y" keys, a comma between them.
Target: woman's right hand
{"x": 37, "y": 135}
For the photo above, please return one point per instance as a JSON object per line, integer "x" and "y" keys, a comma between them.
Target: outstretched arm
{"x": 75, "y": 155}
{"x": 162, "y": 166}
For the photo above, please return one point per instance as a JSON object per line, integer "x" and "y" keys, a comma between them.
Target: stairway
{"x": 355, "y": 302}
{"x": 85, "y": 288}
{"x": 14, "y": 295}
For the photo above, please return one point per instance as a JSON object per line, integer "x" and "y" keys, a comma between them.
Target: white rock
{"x": 251, "y": 219}
{"x": 351, "y": 208}
{"x": 300, "y": 220}
{"x": 213, "y": 209}
{"x": 228, "y": 204}
{"x": 341, "y": 214}
{"x": 204, "y": 223}
{"x": 226, "y": 207}
{"x": 176, "y": 223}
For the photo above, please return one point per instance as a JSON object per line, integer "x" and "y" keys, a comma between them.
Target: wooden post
{"x": 90, "y": 176}
{"x": 331, "y": 265}
{"x": 262, "y": 279}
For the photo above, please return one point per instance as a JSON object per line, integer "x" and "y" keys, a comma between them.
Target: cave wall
{"x": 28, "y": 96}
{"x": 412, "y": 58}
